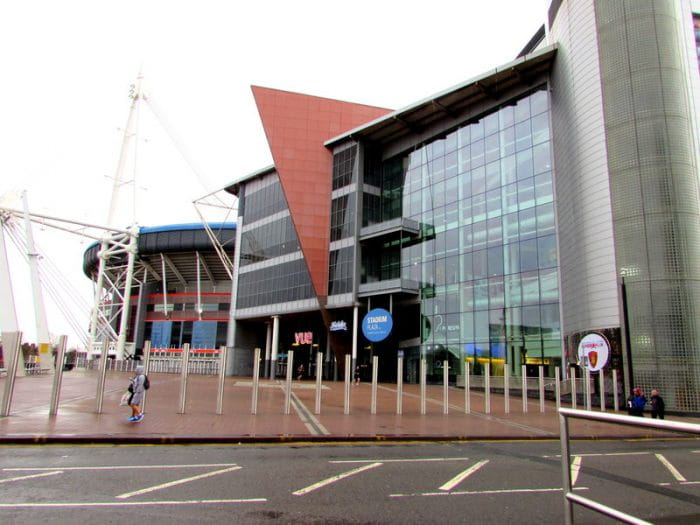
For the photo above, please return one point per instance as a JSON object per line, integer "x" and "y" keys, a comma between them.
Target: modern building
{"x": 182, "y": 286}
{"x": 499, "y": 221}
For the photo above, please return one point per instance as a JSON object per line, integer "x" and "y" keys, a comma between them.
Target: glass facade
{"x": 487, "y": 256}
{"x": 261, "y": 243}
{"x": 343, "y": 217}
{"x": 280, "y": 283}
{"x": 341, "y": 270}
{"x": 268, "y": 241}
{"x": 344, "y": 167}
{"x": 266, "y": 201}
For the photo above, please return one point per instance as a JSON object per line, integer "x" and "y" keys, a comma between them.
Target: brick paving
{"x": 77, "y": 420}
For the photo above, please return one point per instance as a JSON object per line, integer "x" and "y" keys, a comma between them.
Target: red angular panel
{"x": 296, "y": 127}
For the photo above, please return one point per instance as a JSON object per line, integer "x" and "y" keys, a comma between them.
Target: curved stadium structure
{"x": 182, "y": 287}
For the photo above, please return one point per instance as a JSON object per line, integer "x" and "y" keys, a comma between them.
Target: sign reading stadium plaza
{"x": 377, "y": 325}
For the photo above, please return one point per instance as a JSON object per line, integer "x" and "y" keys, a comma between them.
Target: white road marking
{"x": 601, "y": 454}
{"x": 118, "y": 467}
{"x": 312, "y": 424}
{"x": 333, "y": 479}
{"x": 479, "y": 492}
{"x": 176, "y": 482}
{"x": 31, "y": 476}
{"x": 463, "y": 475}
{"x": 575, "y": 469}
{"x": 129, "y": 503}
{"x": 410, "y": 460}
{"x": 673, "y": 470}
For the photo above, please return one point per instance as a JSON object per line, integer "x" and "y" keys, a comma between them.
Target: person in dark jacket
{"x": 657, "y": 405}
{"x": 638, "y": 402}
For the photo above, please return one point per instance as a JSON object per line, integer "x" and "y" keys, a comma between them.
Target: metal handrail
{"x": 569, "y": 497}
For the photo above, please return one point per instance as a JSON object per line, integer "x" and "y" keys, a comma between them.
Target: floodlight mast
{"x": 107, "y": 243}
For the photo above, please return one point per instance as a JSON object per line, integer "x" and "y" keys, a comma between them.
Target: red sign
{"x": 303, "y": 338}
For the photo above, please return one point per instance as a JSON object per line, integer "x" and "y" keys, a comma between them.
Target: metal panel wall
{"x": 650, "y": 125}
{"x": 589, "y": 290}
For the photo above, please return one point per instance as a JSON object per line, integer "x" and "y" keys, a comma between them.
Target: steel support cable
{"x": 175, "y": 138}
{"x": 51, "y": 277}
{"x": 48, "y": 284}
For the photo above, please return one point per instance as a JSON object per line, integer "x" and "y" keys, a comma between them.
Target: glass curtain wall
{"x": 487, "y": 261}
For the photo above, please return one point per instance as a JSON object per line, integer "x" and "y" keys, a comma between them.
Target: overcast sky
{"x": 67, "y": 67}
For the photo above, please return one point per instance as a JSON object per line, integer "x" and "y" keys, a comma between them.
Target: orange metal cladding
{"x": 296, "y": 127}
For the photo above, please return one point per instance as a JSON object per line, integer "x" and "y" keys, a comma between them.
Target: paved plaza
{"x": 78, "y": 421}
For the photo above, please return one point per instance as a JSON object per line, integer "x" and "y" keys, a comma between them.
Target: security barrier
{"x": 569, "y": 497}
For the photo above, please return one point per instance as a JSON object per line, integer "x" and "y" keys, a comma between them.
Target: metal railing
{"x": 569, "y": 497}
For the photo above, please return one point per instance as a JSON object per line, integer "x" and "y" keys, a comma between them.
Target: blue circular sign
{"x": 377, "y": 325}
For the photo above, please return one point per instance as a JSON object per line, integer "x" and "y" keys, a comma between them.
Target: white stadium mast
{"x": 113, "y": 246}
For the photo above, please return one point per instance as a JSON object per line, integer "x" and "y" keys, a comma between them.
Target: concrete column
{"x": 275, "y": 344}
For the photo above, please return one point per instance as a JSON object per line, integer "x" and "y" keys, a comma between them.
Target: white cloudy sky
{"x": 67, "y": 67}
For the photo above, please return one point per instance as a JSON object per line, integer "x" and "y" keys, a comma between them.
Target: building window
{"x": 344, "y": 167}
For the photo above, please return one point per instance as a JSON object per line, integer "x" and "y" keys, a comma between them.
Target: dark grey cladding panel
{"x": 175, "y": 241}
{"x": 183, "y": 240}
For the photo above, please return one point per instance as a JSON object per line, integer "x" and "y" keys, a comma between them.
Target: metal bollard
{"x": 57, "y": 376}
{"x": 541, "y": 371}
{"x": 557, "y": 387}
{"x": 288, "y": 383}
{"x": 223, "y": 355}
{"x": 445, "y": 387}
{"x": 146, "y": 370}
{"x": 616, "y": 402}
{"x": 487, "y": 388}
{"x": 423, "y": 367}
{"x": 256, "y": 381}
{"x": 399, "y": 386}
{"x": 506, "y": 389}
{"x": 601, "y": 379}
{"x": 319, "y": 385}
{"x": 375, "y": 367}
{"x": 346, "y": 404}
{"x": 185, "y": 361}
{"x": 587, "y": 387}
{"x": 573, "y": 387}
{"x": 467, "y": 392}
{"x": 101, "y": 378}
{"x": 524, "y": 387}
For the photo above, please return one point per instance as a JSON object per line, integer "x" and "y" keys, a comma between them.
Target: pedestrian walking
{"x": 300, "y": 372}
{"x": 636, "y": 403}
{"x": 137, "y": 388}
{"x": 357, "y": 375}
{"x": 657, "y": 405}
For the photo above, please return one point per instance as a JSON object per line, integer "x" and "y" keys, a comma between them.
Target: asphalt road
{"x": 475, "y": 482}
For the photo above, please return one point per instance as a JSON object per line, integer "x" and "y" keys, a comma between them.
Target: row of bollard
{"x": 184, "y": 372}
{"x": 423, "y": 387}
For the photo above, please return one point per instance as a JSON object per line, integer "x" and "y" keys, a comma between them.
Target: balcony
{"x": 388, "y": 286}
{"x": 402, "y": 225}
